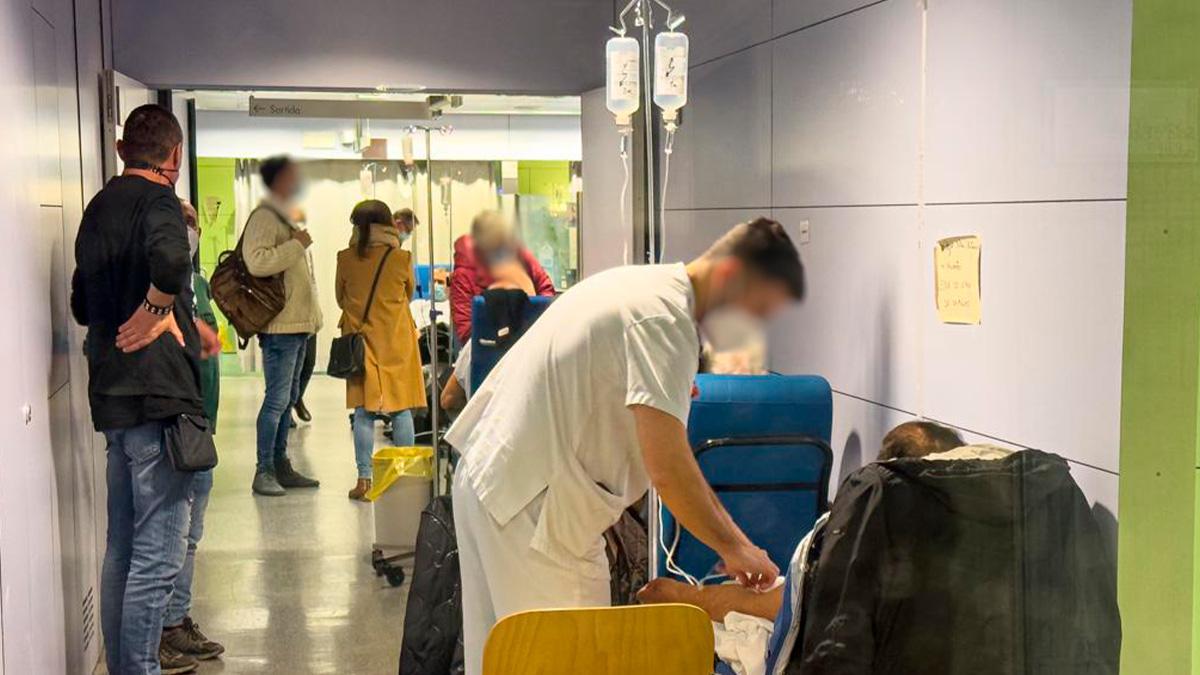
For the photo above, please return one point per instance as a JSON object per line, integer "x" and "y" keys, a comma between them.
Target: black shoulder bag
{"x": 348, "y": 353}
{"x": 190, "y": 443}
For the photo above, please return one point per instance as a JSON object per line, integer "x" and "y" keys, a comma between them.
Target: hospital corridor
{"x": 292, "y": 579}
{"x": 600, "y": 337}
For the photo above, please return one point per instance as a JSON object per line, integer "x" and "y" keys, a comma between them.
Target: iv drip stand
{"x": 434, "y": 403}
{"x": 645, "y": 17}
{"x": 643, "y": 11}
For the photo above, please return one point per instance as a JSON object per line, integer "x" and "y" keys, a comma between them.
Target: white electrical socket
{"x": 805, "y": 232}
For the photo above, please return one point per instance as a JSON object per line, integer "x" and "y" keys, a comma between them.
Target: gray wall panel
{"x": 1027, "y": 100}
{"x": 690, "y": 233}
{"x": 48, "y": 547}
{"x": 605, "y": 226}
{"x": 722, "y": 153}
{"x": 858, "y": 323}
{"x": 791, "y": 15}
{"x": 719, "y": 27}
{"x": 1043, "y": 369}
{"x": 846, "y": 110}
{"x": 858, "y": 430}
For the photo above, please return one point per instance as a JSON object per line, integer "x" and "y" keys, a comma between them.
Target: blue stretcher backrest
{"x": 484, "y": 357}
{"x": 762, "y": 442}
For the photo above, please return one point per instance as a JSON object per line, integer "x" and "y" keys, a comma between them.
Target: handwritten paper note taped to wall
{"x": 956, "y": 279}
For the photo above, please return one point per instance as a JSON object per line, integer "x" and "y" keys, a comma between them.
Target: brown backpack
{"x": 250, "y": 303}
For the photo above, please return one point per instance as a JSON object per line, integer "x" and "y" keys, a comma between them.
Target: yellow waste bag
{"x": 389, "y": 464}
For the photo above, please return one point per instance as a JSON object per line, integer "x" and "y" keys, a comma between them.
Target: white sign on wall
{"x": 338, "y": 109}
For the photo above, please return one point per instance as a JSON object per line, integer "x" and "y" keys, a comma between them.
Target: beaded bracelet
{"x": 156, "y": 309}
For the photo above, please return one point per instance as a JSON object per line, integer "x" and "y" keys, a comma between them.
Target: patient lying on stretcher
{"x": 938, "y": 559}
{"x": 910, "y": 439}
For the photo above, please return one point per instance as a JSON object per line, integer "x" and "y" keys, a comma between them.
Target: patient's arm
{"x": 716, "y": 600}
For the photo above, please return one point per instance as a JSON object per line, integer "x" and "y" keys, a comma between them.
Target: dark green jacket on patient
{"x": 962, "y": 567}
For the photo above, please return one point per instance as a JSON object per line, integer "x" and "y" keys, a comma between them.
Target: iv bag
{"x": 670, "y": 72}
{"x": 406, "y": 148}
{"x": 623, "y": 91}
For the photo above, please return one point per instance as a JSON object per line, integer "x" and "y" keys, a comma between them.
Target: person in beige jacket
{"x": 275, "y": 242}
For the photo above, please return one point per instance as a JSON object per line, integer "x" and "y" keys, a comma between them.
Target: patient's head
{"x": 496, "y": 239}
{"x": 918, "y": 439}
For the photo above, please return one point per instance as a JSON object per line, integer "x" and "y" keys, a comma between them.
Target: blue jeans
{"x": 180, "y": 604}
{"x": 364, "y": 436}
{"x": 283, "y": 359}
{"x": 147, "y": 519}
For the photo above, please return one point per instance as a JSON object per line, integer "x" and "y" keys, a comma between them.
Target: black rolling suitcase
{"x": 432, "y": 642}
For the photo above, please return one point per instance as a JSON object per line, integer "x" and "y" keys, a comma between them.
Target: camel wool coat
{"x": 391, "y": 380}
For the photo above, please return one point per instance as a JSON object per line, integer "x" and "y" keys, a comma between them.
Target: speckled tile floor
{"x": 286, "y": 583}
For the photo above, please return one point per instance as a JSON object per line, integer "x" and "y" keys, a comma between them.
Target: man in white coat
{"x": 587, "y": 410}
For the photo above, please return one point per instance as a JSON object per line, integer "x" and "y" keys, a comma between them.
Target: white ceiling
{"x": 473, "y": 104}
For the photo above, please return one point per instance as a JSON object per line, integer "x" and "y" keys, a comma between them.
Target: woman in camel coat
{"x": 392, "y": 383}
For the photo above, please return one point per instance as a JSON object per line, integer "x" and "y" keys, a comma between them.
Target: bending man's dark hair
{"x": 149, "y": 135}
{"x": 917, "y": 439}
{"x": 765, "y": 248}
{"x": 365, "y": 214}
{"x": 271, "y": 167}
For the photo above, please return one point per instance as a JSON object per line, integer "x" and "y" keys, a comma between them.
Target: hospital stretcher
{"x": 762, "y": 442}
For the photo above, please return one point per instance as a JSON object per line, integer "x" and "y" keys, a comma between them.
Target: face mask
{"x": 730, "y": 329}
{"x": 193, "y": 241}
{"x": 439, "y": 293}
{"x": 405, "y": 235}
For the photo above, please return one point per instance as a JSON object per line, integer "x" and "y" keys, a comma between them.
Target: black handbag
{"x": 348, "y": 353}
{"x": 190, "y": 443}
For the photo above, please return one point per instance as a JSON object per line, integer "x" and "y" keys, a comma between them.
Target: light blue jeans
{"x": 364, "y": 436}
{"x": 283, "y": 361}
{"x": 180, "y": 604}
{"x": 148, "y": 515}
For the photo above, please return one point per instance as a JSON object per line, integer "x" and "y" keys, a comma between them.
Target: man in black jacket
{"x": 132, "y": 290}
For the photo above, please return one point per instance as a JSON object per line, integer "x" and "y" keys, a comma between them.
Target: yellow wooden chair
{"x": 637, "y": 640}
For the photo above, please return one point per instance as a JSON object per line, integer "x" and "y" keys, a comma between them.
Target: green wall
{"x": 1160, "y": 406}
{"x": 547, "y": 178}
{"x": 215, "y": 181}
{"x": 215, "y": 204}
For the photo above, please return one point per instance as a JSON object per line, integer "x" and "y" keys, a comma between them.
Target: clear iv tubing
{"x": 668, "y": 146}
{"x": 669, "y": 555}
{"x": 625, "y": 132}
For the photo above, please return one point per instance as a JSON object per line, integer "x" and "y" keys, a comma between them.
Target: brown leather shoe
{"x": 361, "y": 489}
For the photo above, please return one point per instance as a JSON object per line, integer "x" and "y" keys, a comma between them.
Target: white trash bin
{"x": 398, "y": 512}
{"x": 402, "y": 488}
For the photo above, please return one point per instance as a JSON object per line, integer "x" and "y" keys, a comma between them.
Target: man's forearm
{"x": 718, "y": 600}
{"x": 693, "y": 503}
{"x": 680, "y": 484}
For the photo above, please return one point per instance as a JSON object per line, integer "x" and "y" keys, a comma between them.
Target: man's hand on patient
{"x": 750, "y": 566}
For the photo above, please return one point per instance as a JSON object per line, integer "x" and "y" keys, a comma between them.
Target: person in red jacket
{"x": 492, "y": 255}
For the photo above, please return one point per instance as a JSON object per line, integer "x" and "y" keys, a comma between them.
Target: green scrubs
{"x": 210, "y": 369}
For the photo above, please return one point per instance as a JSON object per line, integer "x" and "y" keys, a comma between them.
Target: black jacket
{"x": 132, "y": 235}
{"x": 962, "y": 567}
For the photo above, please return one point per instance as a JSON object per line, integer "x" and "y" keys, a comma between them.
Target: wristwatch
{"x": 157, "y": 310}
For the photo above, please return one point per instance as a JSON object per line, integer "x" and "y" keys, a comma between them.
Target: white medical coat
{"x": 553, "y": 415}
